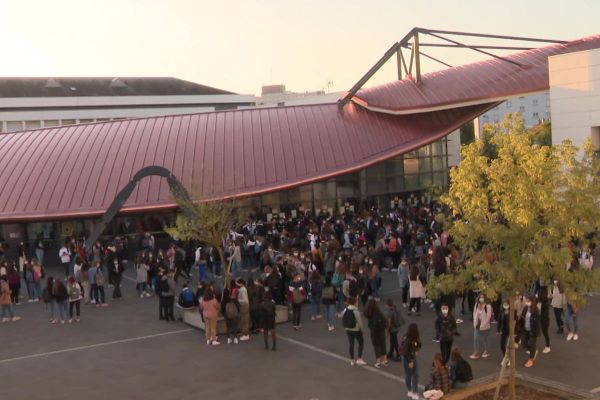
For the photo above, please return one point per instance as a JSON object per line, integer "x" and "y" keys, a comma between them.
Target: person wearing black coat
{"x": 267, "y": 320}
{"x": 503, "y": 328}
{"x": 530, "y": 323}
{"x": 445, "y": 325}
{"x": 256, "y": 294}
{"x": 116, "y": 269}
{"x": 544, "y": 306}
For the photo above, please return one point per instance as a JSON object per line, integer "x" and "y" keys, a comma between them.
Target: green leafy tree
{"x": 518, "y": 210}
{"x": 210, "y": 224}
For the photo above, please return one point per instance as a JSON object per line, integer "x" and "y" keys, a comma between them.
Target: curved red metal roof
{"x": 76, "y": 171}
{"x": 476, "y": 83}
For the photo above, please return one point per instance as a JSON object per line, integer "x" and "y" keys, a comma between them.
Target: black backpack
{"x": 349, "y": 319}
{"x": 463, "y": 372}
{"x": 352, "y": 288}
{"x": 164, "y": 286}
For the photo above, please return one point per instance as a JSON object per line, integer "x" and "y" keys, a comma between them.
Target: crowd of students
{"x": 334, "y": 263}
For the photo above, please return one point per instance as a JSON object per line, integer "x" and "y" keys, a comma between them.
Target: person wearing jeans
{"x": 59, "y": 291}
{"x": 355, "y": 334}
{"x": 482, "y": 317}
{"x": 328, "y": 299}
{"x": 412, "y": 345}
{"x": 571, "y": 321}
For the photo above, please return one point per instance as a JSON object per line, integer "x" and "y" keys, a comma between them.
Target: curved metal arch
{"x": 177, "y": 190}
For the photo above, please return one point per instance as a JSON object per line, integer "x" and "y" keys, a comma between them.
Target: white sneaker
{"x": 575, "y": 337}
{"x": 360, "y": 361}
{"x": 235, "y": 341}
{"x": 352, "y": 362}
{"x": 228, "y": 340}
{"x": 244, "y": 338}
{"x": 569, "y": 336}
{"x": 208, "y": 342}
{"x": 546, "y": 350}
{"x": 142, "y": 296}
{"x": 330, "y": 328}
{"x": 459, "y": 321}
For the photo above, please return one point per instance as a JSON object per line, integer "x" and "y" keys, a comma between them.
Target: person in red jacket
{"x": 296, "y": 296}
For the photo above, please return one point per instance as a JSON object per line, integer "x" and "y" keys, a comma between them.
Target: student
{"x": 445, "y": 325}
{"x": 353, "y": 325}
{"x": 8, "y": 313}
{"x": 96, "y": 277}
{"x": 417, "y": 291}
{"x": 315, "y": 291}
{"x": 209, "y": 307}
{"x": 503, "y": 328}
{"x": 230, "y": 309}
{"x": 558, "y": 301}
{"x": 482, "y": 317}
{"x": 571, "y": 311}
{"x": 75, "y": 296}
{"x": 168, "y": 295}
{"x": 460, "y": 370}
{"x": 267, "y": 320}
{"x": 377, "y": 327}
{"x": 440, "y": 380}
{"x": 14, "y": 282}
{"x": 141, "y": 275}
{"x": 296, "y": 296}
{"x": 544, "y": 309}
{"x": 49, "y": 299}
{"x": 530, "y": 324}
{"x": 116, "y": 270}
{"x": 65, "y": 256}
{"x": 244, "y": 303}
{"x": 328, "y": 298}
{"x": 412, "y": 345}
{"x": 403, "y": 280}
{"x": 59, "y": 292}
{"x": 394, "y": 322}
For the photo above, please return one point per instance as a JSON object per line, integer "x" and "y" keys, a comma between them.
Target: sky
{"x": 240, "y": 45}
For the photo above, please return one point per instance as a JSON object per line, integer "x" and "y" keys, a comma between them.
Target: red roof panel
{"x": 475, "y": 83}
{"x": 77, "y": 170}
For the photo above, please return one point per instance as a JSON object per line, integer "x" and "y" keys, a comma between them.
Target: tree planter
{"x": 526, "y": 389}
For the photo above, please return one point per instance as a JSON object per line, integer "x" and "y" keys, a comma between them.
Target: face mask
{"x": 556, "y": 282}
{"x": 481, "y": 300}
{"x": 505, "y": 306}
{"x": 445, "y": 311}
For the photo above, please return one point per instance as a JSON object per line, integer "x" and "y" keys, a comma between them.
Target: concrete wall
{"x": 575, "y": 96}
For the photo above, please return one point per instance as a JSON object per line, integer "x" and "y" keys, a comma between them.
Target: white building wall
{"x": 575, "y": 96}
{"x": 533, "y": 108}
{"x": 454, "y": 148}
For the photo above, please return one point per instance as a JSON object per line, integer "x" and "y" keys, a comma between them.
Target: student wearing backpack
{"x": 445, "y": 325}
{"x": 267, "y": 320}
{"x": 411, "y": 345}
{"x": 49, "y": 299}
{"x": 75, "y": 296}
{"x": 297, "y": 297}
{"x": 394, "y": 322}
{"x": 482, "y": 316}
{"x": 230, "y": 309}
{"x": 377, "y": 327}
{"x": 59, "y": 292}
{"x": 328, "y": 299}
{"x": 167, "y": 287}
{"x": 352, "y": 322}
{"x": 209, "y": 307}
{"x": 96, "y": 277}
{"x": 460, "y": 370}
{"x": 244, "y": 303}
{"x": 316, "y": 292}
{"x": 14, "y": 282}
{"x": 8, "y": 313}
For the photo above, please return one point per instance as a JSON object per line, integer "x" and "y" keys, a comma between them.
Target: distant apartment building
{"x": 277, "y": 95}
{"x": 534, "y": 108}
{"x": 31, "y": 103}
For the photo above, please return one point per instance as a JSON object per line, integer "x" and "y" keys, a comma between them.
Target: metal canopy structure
{"x": 412, "y": 42}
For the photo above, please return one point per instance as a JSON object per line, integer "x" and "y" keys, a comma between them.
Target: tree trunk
{"x": 511, "y": 341}
{"x": 226, "y": 268}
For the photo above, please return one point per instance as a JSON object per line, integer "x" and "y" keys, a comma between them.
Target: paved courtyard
{"x": 124, "y": 351}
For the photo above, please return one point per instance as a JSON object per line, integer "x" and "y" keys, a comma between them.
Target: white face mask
{"x": 445, "y": 311}
{"x": 505, "y": 306}
{"x": 481, "y": 300}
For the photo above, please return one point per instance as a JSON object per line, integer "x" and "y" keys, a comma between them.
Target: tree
{"x": 519, "y": 210}
{"x": 211, "y": 224}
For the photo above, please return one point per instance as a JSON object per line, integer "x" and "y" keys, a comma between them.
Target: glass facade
{"x": 376, "y": 185}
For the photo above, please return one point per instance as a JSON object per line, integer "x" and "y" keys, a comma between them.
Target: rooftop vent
{"x": 117, "y": 83}
{"x": 52, "y": 83}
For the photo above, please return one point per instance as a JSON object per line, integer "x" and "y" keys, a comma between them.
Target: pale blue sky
{"x": 241, "y": 45}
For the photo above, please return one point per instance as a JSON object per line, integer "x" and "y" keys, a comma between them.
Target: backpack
{"x": 187, "y": 297}
{"x": 297, "y": 296}
{"x": 463, "y": 371}
{"x": 315, "y": 288}
{"x": 349, "y": 319}
{"x": 73, "y": 292}
{"x": 328, "y": 293}
{"x": 99, "y": 278}
{"x": 231, "y": 310}
{"x": 397, "y": 320}
{"x": 402, "y": 346}
{"x": 164, "y": 285}
{"x": 352, "y": 287}
{"x": 336, "y": 280}
{"x": 46, "y": 295}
